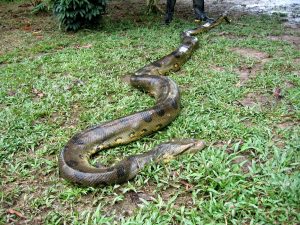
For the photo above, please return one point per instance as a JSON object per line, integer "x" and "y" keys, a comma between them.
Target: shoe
{"x": 206, "y": 20}
{"x": 203, "y": 18}
{"x": 168, "y": 19}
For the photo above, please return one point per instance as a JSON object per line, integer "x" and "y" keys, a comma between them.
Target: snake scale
{"x": 74, "y": 158}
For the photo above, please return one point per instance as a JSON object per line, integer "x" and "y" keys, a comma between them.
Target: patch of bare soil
{"x": 289, "y": 84}
{"x": 220, "y": 144}
{"x": 246, "y": 73}
{"x": 32, "y": 188}
{"x": 244, "y": 162}
{"x": 287, "y": 124}
{"x": 218, "y": 68}
{"x": 248, "y": 123}
{"x": 278, "y": 141}
{"x": 292, "y": 39}
{"x": 243, "y": 159}
{"x": 230, "y": 35}
{"x": 20, "y": 28}
{"x": 252, "y": 53}
{"x": 297, "y": 61}
{"x": 131, "y": 202}
{"x": 256, "y": 99}
{"x": 132, "y": 9}
{"x": 72, "y": 123}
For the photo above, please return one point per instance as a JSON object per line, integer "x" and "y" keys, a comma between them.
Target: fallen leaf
{"x": 87, "y": 46}
{"x": 38, "y": 93}
{"x": 14, "y": 212}
{"x": 137, "y": 196}
{"x": 84, "y": 46}
{"x": 39, "y": 37}
{"x": 277, "y": 93}
{"x": 11, "y": 93}
{"x": 187, "y": 185}
{"x": 27, "y": 27}
{"x": 25, "y": 5}
{"x": 37, "y": 33}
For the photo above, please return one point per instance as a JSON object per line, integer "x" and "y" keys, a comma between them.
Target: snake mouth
{"x": 196, "y": 146}
{"x": 185, "y": 146}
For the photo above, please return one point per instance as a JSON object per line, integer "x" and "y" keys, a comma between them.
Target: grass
{"x": 57, "y": 85}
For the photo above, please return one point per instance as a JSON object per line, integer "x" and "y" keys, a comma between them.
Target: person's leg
{"x": 170, "y": 11}
{"x": 199, "y": 11}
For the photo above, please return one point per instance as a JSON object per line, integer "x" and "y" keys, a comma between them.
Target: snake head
{"x": 175, "y": 147}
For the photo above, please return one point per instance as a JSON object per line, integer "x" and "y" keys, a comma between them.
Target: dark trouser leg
{"x": 199, "y": 11}
{"x": 170, "y": 11}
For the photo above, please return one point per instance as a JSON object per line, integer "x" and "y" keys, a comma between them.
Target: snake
{"x": 74, "y": 159}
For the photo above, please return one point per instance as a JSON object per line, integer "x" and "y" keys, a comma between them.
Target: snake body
{"x": 74, "y": 158}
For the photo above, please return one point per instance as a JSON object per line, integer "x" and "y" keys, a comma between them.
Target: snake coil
{"x": 73, "y": 160}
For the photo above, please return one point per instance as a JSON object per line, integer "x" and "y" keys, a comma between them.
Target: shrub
{"x": 73, "y": 14}
{"x": 41, "y": 6}
{"x": 153, "y": 7}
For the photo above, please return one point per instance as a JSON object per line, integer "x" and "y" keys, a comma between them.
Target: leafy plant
{"x": 41, "y": 6}
{"x": 73, "y": 14}
{"x": 153, "y": 6}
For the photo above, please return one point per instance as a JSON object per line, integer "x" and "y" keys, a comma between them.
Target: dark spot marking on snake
{"x": 72, "y": 163}
{"x": 176, "y": 54}
{"x": 120, "y": 171}
{"x": 174, "y": 104}
{"x": 163, "y": 83}
{"x": 124, "y": 120}
{"x": 187, "y": 41}
{"x": 110, "y": 169}
{"x": 77, "y": 140}
{"x": 146, "y": 117}
{"x": 160, "y": 111}
{"x": 156, "y": 64}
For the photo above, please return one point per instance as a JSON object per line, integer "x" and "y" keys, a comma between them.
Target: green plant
{"x": 153, "y": 6}
{"x": 41, "y": 6}
{"x": 73, "y": 14}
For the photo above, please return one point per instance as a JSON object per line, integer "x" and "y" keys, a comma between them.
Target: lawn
{"x": 240, "y": 93}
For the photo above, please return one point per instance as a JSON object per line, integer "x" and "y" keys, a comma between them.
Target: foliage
{"x": 152, "y": 6}
{"x": 41, "y": 6}
{"x": 73, "y": 14}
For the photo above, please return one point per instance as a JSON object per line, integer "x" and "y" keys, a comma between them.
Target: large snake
{"x": 74, "y": 158}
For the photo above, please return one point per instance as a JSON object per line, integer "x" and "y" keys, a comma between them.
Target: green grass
{"x": 54, "y": 87}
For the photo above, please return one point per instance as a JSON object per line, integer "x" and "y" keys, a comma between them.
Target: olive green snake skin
{"x": 74, "y": 158}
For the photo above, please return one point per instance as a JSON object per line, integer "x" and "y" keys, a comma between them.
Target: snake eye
{"x": 176, "y": 65}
